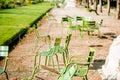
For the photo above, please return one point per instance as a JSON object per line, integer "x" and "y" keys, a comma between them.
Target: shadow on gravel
{"x": 97, "y": 64}
{"x": 108, "y": 35}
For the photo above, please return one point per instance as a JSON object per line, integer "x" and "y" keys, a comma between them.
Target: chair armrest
{"x": 78, "y": 56}
{"x": 81, "y": 64}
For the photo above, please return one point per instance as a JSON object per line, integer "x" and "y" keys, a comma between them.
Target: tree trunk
{"x": 78, "y": 2}
{"x": 118, "y": 9}
{"x": 87, "y": 3}
{"x": 95, "y": 4}
{"x": 108, "y": 4}
{"x": 100, "y": 2}
{"x": 91, "y": 2}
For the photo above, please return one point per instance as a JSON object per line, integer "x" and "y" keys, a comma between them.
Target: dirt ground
{"x": 21, "y": 58}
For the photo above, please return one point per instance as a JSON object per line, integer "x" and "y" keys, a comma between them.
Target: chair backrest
{"x": 56, "y": 47}
{"x": 67, "y": 41}
{"x": 57, "y": 42}
{"x": 89, "y": 24}
{"x": 68, "y": 72}
{"x": 79, "y": 18}
{"x": 91, "y": 55}
{"x": 92, "y": 51}
{"x": 64, "y": 19}
{"x": 4, "y": 53}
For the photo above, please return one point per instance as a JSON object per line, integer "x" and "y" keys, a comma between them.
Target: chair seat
{"x": 1, "y": 71}
{"x": 74, "y": 27}
{"x": 53, "y": 50}
{"x": 45, "y": 53}
{"x": 82, "y": 72}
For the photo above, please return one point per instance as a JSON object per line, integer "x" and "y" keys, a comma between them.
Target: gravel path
{"x": 21, "y": 58}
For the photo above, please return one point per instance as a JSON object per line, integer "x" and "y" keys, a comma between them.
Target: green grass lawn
{"x": 14, "y": 21}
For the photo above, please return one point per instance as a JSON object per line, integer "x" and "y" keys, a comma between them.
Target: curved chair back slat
{"x": 4, "y": 53}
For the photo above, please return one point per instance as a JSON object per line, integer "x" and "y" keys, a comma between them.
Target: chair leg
{"x": 46, "y": 60}
{"x": 58, "y": 62}
{"x": 36, "y": 42}
{"x": 33, "y": 72}
{"x": 35, "y": 60}
{"x": 81, "y": 35}
{"x": 39, "y": 61}
{"x": 88, "y": 33}
{"x": 6, "y": 75}
{"x": 67, "y": 56}
{"x": 99, "y": 33}
{"x": 83, "y": 78}
{"x": 86, "y": 77}
{"x": 53, "y": 63}
{"x": 49, "y": 43}
{"x": 49, "y": 60}
{"x": 64, "y": 59}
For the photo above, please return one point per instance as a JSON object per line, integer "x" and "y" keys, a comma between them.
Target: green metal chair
{"x": 85, "y": 25}
{"x": 56, "y": 48}
{"x": 79, "y": 21}
{"x": 38, "y": 36}
{"x": 76, "y": 68}
{"x": 69, "y": 20}
{"x": 83, "y": 67}
{"x": 65, "y": 23}
{"x": 91, "y": 27}
{"x": 53, "y": 51}
{"x": 4, "y": 53}
{"x": 72, "y": 27}
{"x": 51, "y": 21}
{"x": 50, "y": 17}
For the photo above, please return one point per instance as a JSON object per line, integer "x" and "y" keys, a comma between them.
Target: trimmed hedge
{"x": 9, "y": 33}
{"x": 14, "y": 22}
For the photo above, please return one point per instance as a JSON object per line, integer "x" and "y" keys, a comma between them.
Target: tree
{"x": 78, "y": 2}
{"x": 100, "y": 2}
{"x": 87, "y": 3}
{"x": 108, "y": 7}
{"x": 95, "y": 5}
{"x": 118, "y": 9}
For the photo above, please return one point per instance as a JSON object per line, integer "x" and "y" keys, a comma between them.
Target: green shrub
{"x": 9, "y": 33}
